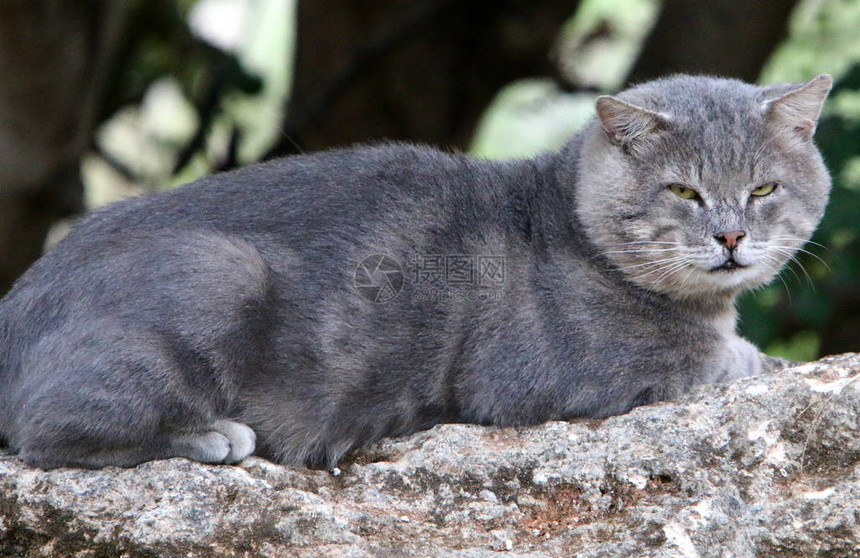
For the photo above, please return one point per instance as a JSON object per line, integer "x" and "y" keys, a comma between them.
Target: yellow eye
{"x": 683, "y": 192}
{"x": 764, "y": 189}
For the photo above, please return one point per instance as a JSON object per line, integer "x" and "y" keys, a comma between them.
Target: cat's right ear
{"x": 798, "y": 106}
{"x": 627, "y": 125}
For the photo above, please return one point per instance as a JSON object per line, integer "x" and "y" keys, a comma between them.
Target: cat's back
{"x": 303, "y": 200}
{"x": 320, "y": 188}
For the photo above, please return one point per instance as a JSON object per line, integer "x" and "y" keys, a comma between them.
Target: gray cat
{"x": 314, "y": 304}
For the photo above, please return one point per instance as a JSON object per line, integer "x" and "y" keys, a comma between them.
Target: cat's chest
{"x": 604, "y": 314}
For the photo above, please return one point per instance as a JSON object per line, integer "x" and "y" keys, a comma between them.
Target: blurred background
{"x": 105, "y": 99}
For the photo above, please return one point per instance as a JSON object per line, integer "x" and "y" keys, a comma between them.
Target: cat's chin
{"x": 726, "y": 280}
{"x": 728, "y": 266}
{"x": 733, "y": 277}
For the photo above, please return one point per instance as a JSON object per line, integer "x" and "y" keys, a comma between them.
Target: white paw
{"x": 741, "y": 359}
{"x": 243, "y": 440}
{"x": 205, "y": 447}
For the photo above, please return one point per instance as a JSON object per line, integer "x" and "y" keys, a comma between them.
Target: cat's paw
{"x": 209, "y": 447}
{"x": 242, "y": 439}
{"x": 227, "y": 442}
{"x": 741, "y": 359}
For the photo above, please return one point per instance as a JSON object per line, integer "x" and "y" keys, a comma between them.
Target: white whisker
{"x": 779, "y": 264}
{"x": 802, "y": 241}
{"x": 641, "y": 251}
{"x": 774, "y": 265}
{"x": 792, "y": 258}
{"x": 672, "y": 269}
{"x": 775, "y": 268}
{"x": 649, "y": 242}
{"x": 816, "y": 257}
{"x": 654, "y": 262}
{"x": 687, "y": 276}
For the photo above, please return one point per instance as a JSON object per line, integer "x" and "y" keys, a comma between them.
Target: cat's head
{"x": 696, "y": 186}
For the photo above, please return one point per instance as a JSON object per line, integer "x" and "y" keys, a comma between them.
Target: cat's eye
{"x": 765, "y": 189}
{"x": 683, "y": 192}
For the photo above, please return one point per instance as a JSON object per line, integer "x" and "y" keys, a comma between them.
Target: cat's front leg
{"x": 740, "y": 359}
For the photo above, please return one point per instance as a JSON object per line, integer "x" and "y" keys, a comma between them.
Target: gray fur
{"x": 162, "y": 325}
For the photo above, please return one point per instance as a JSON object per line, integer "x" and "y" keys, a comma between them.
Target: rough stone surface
{"x": 766, "y": 466}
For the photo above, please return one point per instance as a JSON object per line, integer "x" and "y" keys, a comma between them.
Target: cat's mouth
{"x": 729, "y": 265}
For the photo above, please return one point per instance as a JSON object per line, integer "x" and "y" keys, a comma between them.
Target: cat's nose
{"x": 730, "y": 239}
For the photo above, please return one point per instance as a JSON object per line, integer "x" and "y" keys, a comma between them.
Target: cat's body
{"x": 163, "y": 325}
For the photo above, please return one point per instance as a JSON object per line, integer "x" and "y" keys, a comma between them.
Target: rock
{"x": 766, "y": 466}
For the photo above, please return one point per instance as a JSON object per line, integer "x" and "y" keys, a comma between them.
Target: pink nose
{"x": 730, "y": 239}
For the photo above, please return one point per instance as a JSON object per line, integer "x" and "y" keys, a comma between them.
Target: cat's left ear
{"x": 797, "y": 110}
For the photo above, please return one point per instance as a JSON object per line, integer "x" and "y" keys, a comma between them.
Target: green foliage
{"x": 822, "y": 38}
{"x": 600, "y": 43}
{"x": 180, "y": 107}
{"x": 528, "y": 117}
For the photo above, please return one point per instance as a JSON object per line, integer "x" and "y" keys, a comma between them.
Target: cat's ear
{"x": 797, "y": 110}
{"x": 625, "y": 124}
